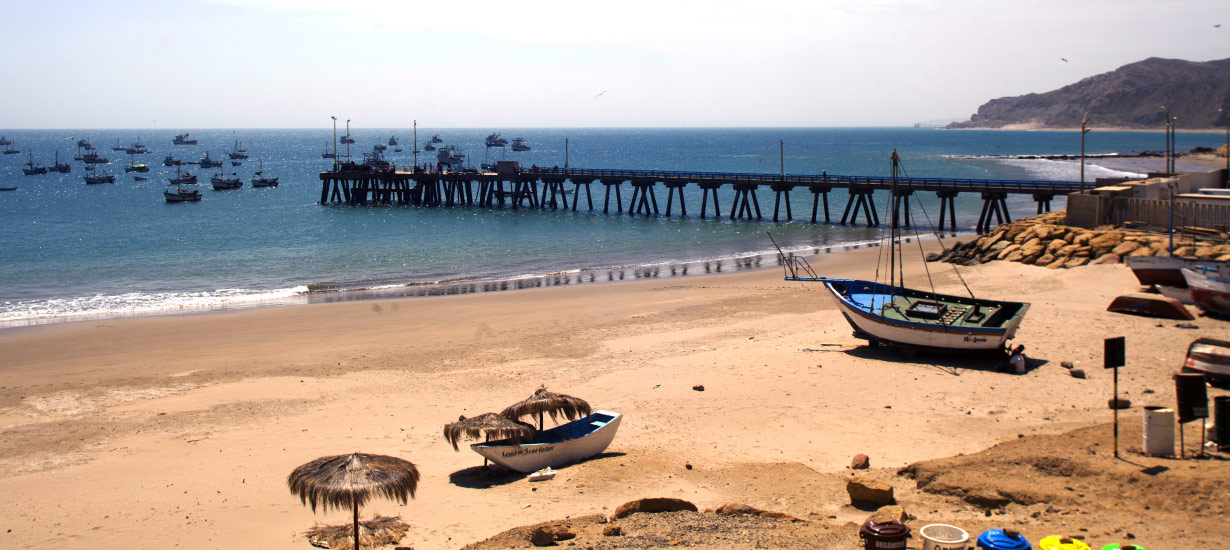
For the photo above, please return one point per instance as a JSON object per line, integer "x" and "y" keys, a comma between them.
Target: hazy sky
{"x": 521, "y": 63}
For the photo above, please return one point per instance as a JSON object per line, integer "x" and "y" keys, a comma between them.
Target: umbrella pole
{"x": 356, "y": 525}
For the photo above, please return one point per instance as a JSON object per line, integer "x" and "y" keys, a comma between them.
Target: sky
{"x": 173, "y": 64}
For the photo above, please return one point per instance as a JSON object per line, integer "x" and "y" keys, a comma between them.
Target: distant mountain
{"x": 1128, "y": 97}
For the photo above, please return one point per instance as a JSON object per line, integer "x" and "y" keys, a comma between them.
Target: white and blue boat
{"x": 571, "y": 442}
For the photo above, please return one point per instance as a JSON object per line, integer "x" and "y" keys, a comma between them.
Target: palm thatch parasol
{"x": 349, "y": 481}
{"x": 487, "y": 425}
{"x": 554, "y": 404}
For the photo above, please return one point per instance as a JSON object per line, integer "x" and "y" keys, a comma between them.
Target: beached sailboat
{"x": 576, "y": 440}
{"x": 32, "y": 169}
{"x": 891, "y": 314}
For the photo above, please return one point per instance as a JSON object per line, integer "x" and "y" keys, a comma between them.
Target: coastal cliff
{"x": 1127, "y": 97}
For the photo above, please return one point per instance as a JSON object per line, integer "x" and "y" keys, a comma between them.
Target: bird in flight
{"x": 603, "y": 92}
{"x": 1063, "y": 59}
{"x": 1217, "y": 25}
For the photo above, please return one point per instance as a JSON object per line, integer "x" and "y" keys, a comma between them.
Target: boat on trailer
{"x": 576, "y": 440}
{"x": 890, "y": 314}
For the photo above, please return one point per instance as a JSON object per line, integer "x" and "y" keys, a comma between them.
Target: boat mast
{"x": 416, "y": 144}
{"x": 892, "y": 235}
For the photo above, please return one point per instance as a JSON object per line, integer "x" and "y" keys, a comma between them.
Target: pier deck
{"x": 545, "y": 189}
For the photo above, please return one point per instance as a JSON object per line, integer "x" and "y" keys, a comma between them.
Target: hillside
{"x": 1127, "y": 97}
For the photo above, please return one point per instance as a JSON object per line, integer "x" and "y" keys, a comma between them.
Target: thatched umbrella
{"x": 488, "y": 426}
{"x": 554, "y": 404}
{"x": 348, "y": 481}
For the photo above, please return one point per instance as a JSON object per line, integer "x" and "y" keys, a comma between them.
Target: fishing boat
{"x": 393, "y": 140}
{"x": 14, "y": 188}
{"x": 380, "y": 147}
{"x": 1209, "y": 356}
{"x": 1210, "y": 286}
{"x": 181, "y": 193}
{"x": 518, "y": 144}
{"x": 4, "y": 140}
{"x": 85, "y": 144}
{"x": 436, "y": 139}
{"x": 137, "y": 148}
{"x": 139, "y": 178}
{"x": 182, "y": 179}
{"x": 60, "y": 167}
{"x": 207, "y": 162}
{"x": 222, "y": 182}
{"x": 32, "y": 169}
{"x": 237, "y": 153}
{"x": 236, "y": 162}
{"x": 119, "y": 147}
{"x": 345, "y": 139}
{"x": 891, "y": 314}
{"x": 397, "y": 149}
{"x": 261, "y": 181}
{"x": 576, "y": 440}
{"x": 11, "y": 151}
{"x": 1180, "y": 293}
{"x": 451, "y": 156}
{"x": 494, "y": 140}
{"x": 327, "y": 154}
{"x": 182, "y": 139}
{"x": 171, "y": 161}
{"x": 94, "y": 158}
{"x": 136, "y": 167}
{"x": 1160, "y": 270}
{"x": 94, "y": 178}
{"x": 429, "y": 147}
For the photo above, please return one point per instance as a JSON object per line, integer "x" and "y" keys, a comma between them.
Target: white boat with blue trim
{"x": 576, "y": 440}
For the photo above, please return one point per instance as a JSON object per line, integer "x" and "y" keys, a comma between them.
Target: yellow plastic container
{"x": 1056, "y": 542}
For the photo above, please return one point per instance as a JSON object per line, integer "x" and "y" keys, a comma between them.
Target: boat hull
{"x": 175, "y": 197}
{"x": 1209, "y": 356}
{"x": 554, "y": 447}
{"x": 935, "y": 337}
{"x": 1163, "y": 270}
{"x": 1210, "y": 289}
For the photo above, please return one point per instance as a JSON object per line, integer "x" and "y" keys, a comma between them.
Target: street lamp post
{"x": 1084, "y": 130}
{"x": 347, "y": 141}
{"x": 1167, "y": 113}
{"x": 1174, "y": 148}
{"x": 1226, "y": 116}
{"x": 334, "y": 143}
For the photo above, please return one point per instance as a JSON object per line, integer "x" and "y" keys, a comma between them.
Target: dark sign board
{"x": 1113, "y": 353}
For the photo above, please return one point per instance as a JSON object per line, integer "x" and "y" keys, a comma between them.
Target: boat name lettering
{"x": 523, "y": 452}
{"x": 975, "y": 339}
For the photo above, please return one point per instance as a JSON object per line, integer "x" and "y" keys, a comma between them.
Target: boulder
{"x": 1125, "y": 247}
{"x": 1007, "y": 250}
{"x": 1205, "y": 253}
{"x": 612, "y": 531}
{"x": 893, "y": 512}
{"x": 1066, "y": 251}
{"x": 860, "y": 462}
{"x": 1109, "y": 258}
{"x": 1145, "y": 251}
{"x": 1026, "y": 235}
{"x": 868, "y": 490}
{"x": 1185, "y": 251}
{"x": 1043, "y": 231}
{"x": 1031, "y": 242}
{"x": 1015, "y": 256}
{"x": 652, "y": 506}
{"x": 1055, "y": 245}
{"x": 1082, "y": 238}
{"x": 1057, "y": 264}
{"x": 1044, "y": 260}
{"x": 1106, "y": 241}
{"x": 548, "y": 535}
{"x": 1076, "y": 262}
{"x": 999, "y": 246}
{"x": 1015, "y": 231}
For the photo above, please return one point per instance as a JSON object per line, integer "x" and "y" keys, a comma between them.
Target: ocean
{"x": 73, "y": 251}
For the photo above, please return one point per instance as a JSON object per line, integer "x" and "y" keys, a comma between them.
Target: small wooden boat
{"x": 181, "y": 193}
{"x": 93, "y": 177}
{"x": 1159, "y": 270}
{"x": 139, "y": 178}
{"x": 1151, "y": 305}
{"x": 1210, "y": 356}
{"x": 32, "y": 169}
{"x": 207, "y": 162}
{"x": 222, "y": 182}
{"x": 8, "y": 188}
{"x": 182, "y": 139}
{"x": 262, "y": 181}
{"x": 60, "y": 166}
{"x": 576, "y": 440}
{"x": 1210, "y": 286}
{"x": 1182, "y": 294}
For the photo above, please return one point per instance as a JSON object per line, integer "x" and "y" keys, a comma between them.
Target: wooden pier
{"x": 511, "y": 187}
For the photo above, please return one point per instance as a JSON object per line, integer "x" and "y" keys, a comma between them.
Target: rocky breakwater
{"x": 1045, "y": 241}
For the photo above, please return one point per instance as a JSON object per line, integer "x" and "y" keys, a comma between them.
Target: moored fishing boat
{"x": 4, "y": 140}
{"x": 93, "y": 177}
{"x": 261, "y": 181}
{"x": 576, "y": 440}
{"x": 60, "y": 167}
{"x": 327, "y": 154}
{"x": 181, "y": 193}
{"x": 171, "y": 161}
{"x": 222, "y": 182}
{"x": 182, "y": 139}
{"x": 393, "y": 140}
{"x": 181, "y": 178}
{"x": 208, "y": 162}
{"x": 891, "y": 314}
{"x": 32, "y": 169}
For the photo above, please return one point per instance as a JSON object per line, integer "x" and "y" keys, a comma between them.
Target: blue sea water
{"x": 73, "y": 251}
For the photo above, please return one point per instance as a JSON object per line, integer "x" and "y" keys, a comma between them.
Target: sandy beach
{"x": 179, "y": 431}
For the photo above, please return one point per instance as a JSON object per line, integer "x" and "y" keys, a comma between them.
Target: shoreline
{"x": 181, "y": 429}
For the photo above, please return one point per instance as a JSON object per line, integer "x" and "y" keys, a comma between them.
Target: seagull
{"x": 1063, "y": 59}
{"x": 603, "y": 92}
{"x": 1218, "y": 26}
